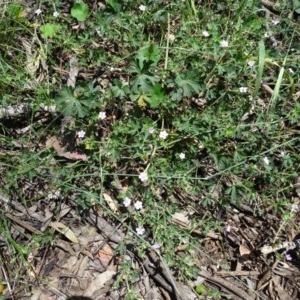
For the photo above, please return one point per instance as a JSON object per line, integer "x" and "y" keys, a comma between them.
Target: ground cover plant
{"x": 149, "y": 150}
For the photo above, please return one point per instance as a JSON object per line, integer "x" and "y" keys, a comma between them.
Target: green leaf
{"x": 15, "y": 10}
{"x": 176, "y": 95}
{"x": 296, "y": 6}
{"x": 188, "y": 85}
{"x": 49, "y": 30}
{"x": 148, "y": 56}
{"x": 201, "y": 289}
{"x": 80, "y": 11}
{"x": 69, "y": 105}
{"x": 156, "y": 96}
{"x": 142, "y": 83}
{"x": 114, "y": 5}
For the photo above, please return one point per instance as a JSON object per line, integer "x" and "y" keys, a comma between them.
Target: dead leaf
{"x": 113, "y": 204}
{"x": 181, "y": 219}
{"x": 244, "y": 250}
{"x": 53, "y": 142}
{"x": 65, "y": 230}
{"x": 99, "y": 282}
{"x": 105, "y": 255}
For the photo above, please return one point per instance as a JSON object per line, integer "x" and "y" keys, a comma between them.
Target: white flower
{"x": 151, "y": 130}
{"x": 142, "y": 7}
{"x": 282, "y": 153}
{"x": 251, "y": 63}
{"x": 171, "y": 37}
{"x": 140, "y": 230}
{"x": 228, "y": 228}
{"x": 156, "y": 246}
{"x": 224, "y": 44}
{"x": 38, "y": 11}
{"x": 291, "y": 70}
{"x": 138, "y": 205}
{"x": 266, "y": 161}
{"x": 81, "y": 134}
{"x": 126, "y": 201}
{"x": 182, "y": 156}
{"x": 294, "y": 208}
{"x": 288, "y": 257}
{"x": 143, "y": 176}
{"x": 205, "y": 33}
{"x": 102, "y": 115}
{"x": 55, "y": 14}
{"x": 275, "y": 21}
{"x": 243, "y": 89}
{"x": 163, "y": 135}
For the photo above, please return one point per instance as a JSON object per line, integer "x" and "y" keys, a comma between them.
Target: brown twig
{"x": 225, "y": 284}
{"x": 23, "y": 224}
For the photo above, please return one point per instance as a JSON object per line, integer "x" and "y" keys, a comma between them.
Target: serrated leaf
{"x": 156, "y": 96}
{"x": 176, "y": 95}
{"x": 69, "y": 105}
{"x": 49, "y": 30}
{"x": 64, "y": 230}
{"x": 143, "y": 83}
{"x": 80, "y": 11}
{"x": 148, "y": 56}
{"x": 188, "y": 86}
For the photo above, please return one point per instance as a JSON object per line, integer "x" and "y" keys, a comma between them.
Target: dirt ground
{"x": 261, "y": 251}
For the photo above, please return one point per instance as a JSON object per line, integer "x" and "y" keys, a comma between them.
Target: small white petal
{"x": 38, "y": 11}
{"x": 140, "y": 230}
{"x": 81, "y": 134}
{"x": 275, "y": 21}
{"x": 182, "y": 156}
{"x": 251, "y": 63}
{"x": 138, "y": 205}
{"x": 151, "y": 130}
{"x": 143, "y": 176}
{"x": 228, "y": 228}
{"x": 288, "y": 257}
{"x": 224, "y": 44}
{"x": 102, "y": 115}
{"x": 294, "y": 208}
{"x": 142, "y": 7}
{"x": 156, "y": 246}
{"x": 205, "y": 33}
{"x": 126, "y": 201}
{"x": 163, "y": 135}
{"x": 266, "y": 161}
{"x": 243, "y": 89}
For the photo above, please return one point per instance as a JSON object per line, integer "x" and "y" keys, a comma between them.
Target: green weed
{"x": 189, "y": 107}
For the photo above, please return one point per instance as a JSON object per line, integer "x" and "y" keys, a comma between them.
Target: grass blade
{"x": 261, "y": 64}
